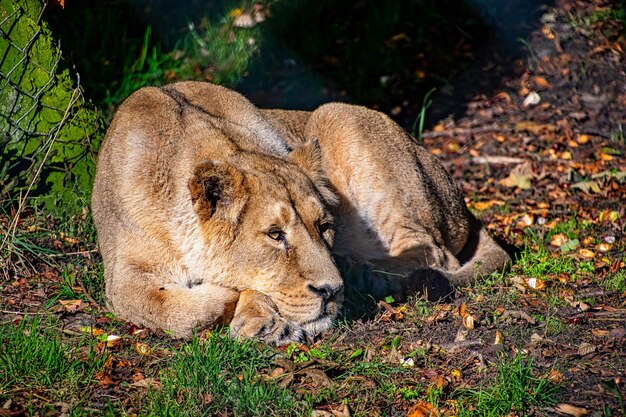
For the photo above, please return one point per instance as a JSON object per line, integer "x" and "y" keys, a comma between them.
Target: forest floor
{"x": 542, "y": 162}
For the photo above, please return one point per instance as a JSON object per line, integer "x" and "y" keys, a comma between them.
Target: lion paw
{"x": 274, "y": 330}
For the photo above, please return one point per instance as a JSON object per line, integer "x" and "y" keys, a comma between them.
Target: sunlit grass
{"x": 514, "y": 388}
{"x": 206, "y": 376}
{"x": 33, "y": 355}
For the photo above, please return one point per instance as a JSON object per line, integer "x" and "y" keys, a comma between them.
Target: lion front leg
{"x": 166, "y": 298}
{"x": 256, "y": 316}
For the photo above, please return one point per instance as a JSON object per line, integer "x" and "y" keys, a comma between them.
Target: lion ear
{"x": 217, "y": 190}
{"x": 309, "y": 158}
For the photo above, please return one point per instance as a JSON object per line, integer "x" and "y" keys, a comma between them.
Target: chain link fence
{"x": 47, "y": 131}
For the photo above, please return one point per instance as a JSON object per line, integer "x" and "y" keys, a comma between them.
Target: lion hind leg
{"x": 438, "y": 271}
{"x": 481, "y": 256}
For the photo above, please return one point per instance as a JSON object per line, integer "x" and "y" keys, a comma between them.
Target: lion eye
{"x": 325, "y": 227}
{"x": 276, "y": 234}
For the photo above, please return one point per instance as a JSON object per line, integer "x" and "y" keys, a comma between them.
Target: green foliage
{"x": 48, "y": 133}
{"x": 199, "y": 42}
{"x": 226, "y": 371}
{"x": 214, "y": 52}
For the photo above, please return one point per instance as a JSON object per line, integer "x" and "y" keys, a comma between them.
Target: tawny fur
{"x": 211, "y": 211}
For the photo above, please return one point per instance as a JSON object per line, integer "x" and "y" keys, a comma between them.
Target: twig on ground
{"x": 23, "y": 313}
{"x": 91, "y": 300}
{"x": 454, "y": 346}
{"x": 467, "y": 131}
{"x": 82, "y": 252}
{"x": 595, "y": 293}
{"x": 597, "y": 314}
{"x": 497, "y": 159}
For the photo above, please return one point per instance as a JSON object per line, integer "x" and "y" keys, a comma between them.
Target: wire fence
{"x": 47, "y": 131}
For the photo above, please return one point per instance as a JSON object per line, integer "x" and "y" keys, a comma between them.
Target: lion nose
{"x": 325, "y": 291}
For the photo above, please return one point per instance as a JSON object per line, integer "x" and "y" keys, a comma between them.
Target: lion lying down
{"x": 211, "y": 211}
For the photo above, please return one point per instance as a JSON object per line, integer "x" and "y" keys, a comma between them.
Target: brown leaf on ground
{"x": 422, "y": 409}
{"x": 340, "y": 411}
{"x": 520, "y": 176}
{"x": 71, "y": 306}
{"x": 570, "y": 410}
{"x": 391, "y": 313}
{"x": 147, "y": 383}
{"x": 541, "y": 83}
{"x": 142, "y": 348}
{"x": 534, "y": 128}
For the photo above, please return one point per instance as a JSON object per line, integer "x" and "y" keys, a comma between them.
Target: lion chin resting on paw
{"x": 211, "y": 211}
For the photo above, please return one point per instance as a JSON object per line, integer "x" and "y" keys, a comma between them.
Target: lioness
{"x": 211, "y": 211}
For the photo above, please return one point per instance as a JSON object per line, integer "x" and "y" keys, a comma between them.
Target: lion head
{"x": 267, "y": 227}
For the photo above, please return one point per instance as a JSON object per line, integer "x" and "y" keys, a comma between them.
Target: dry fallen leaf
{"x": 95, "y": 331}
{"x": 142, "y": 348}
{"x": 533, "y": 127}
{"x": 391, "y": 313}
{"x": 146, "y": 383}
{"x": 468, "y": 321}
{"x": 462, "y": 309}
{"x": 452, "y": 146}
{"x": 520, "y": 176}
{"x": 484, "y": 205}
{"x": 70, "y": 305}
{"x": 537, "y": 284}
{"x": 113, "y": 340}
{"x": 104, "y": 379}
{"x": 499, "y": 339}
{"x": 570, "y": 410}
{"x": 547, "y": 32}
{"x": 599, "y": 332}
{"x": 586, "y": 253}
{"x": 559, "y": 239}
{"x": 541, "y": 82}
{"x": 582, "y": 139}
{"x": 526, "y": 220}
{"x": 589, "y": 187}
{"x": 586, "y": 348}
{"x": 554, "y": 376}
{"x": 532, "y": 99}
{"x": 422, "y": 409}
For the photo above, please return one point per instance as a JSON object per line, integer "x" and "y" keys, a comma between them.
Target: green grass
{"x": 33, "y": 355}
{"x": 19, "y": 243}
{"x": 615, "y": 282}
{"x": 515, "y": 388}
{"x": 227, "y": 373}
{"x": 539, "y": 262}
